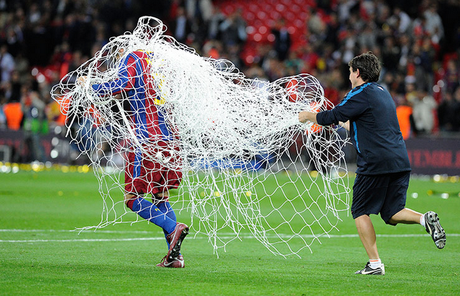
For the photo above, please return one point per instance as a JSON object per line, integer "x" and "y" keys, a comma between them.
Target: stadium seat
{"x": 261, "y": 15}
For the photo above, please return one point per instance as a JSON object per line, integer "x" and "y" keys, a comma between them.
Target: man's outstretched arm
{"x": 305, "y": 116}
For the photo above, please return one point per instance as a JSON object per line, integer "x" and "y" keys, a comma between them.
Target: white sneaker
{"x": 372, "y": 271}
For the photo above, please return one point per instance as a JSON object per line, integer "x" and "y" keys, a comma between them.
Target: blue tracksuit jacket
{"x": 374, "y": 129}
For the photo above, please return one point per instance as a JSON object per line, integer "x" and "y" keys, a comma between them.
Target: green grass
{"x": 40, "y": 255}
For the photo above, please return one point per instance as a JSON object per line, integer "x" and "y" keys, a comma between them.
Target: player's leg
{"x": 165, "y": 207}
{"x": 397, "y": 212}
{"x": 149, "y": 212}
{"x": 162, "y": 202}
{"x": 367, "y": 235}
{"x": 368, "y": 197}
{"x": 368, "y": 238}
{"x": 394, "y": 209}
{"x": 170, "y": 179}
{"x": 140, "y": 173}
{"x": 162, "y": 179}
{"x": 429, "y": 220}
{"x": 176, "y": 232}
{"x": 174, "y": 239}
{"x": 406, "y": 216}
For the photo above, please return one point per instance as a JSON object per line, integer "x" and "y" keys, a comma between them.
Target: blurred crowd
{"x": 418, "y": 42}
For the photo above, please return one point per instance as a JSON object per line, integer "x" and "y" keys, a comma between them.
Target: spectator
{"x": 403, "y": 20}
{"x": 35, "y": 124}
{"x": 404, "y": 44}
{"x": 62, "y": 58}
{"x": 13, "y": 115}
{"x": 233, "y": 54}
{"x": 273, "y": 68}
{"x": 404, "y": 113}
{"x": 316, "y": 25}
{"x": 309, "y": 57}
{"x": 419, "y": 27}
{"x": 344, "y": 8}
{"x": 13, "y": 88}
{"x": 391, "y": 53}
{"x": 62, "y": 37}
{"x": 34, "y": 14}
{"x": 7, "y": 64}
{"x": 424, "y": 59}
{"x": 200, "y": 10}
{"x": 282, "y": 43}
{"x": 2, "y": 113}
{"x": 73, "y": 64}
{"x": 332, "y": 30}
{"x": 447, "y": 113}
{"x": 216, "y": 19}
{"x": 233, "y": 30}
{"x": 451, "y": 76}
{"x": 294, "y": 62}
{"x": 433, "y": 24}
{"x": 181, "y": 27}
{"x": 456, "y": 111}
{"x": 387, "y": 81}
{"x": 14, "y": 39}
{"x": 212, "y": 49}
{"x": 423, "y": 107}
{"x": 367, "y": 38}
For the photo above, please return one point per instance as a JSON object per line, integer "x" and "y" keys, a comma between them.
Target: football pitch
{"x": 41, "y": 254}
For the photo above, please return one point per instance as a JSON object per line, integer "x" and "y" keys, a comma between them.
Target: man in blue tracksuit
{"x": 382, "y": 177}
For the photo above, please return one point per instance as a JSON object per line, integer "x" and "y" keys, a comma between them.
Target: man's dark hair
{"x": 368, "y": 65}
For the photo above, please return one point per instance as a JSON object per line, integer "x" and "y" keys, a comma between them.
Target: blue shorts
{"x": 384, "y": 194}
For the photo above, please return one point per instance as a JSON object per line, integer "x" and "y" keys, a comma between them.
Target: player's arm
{"x": 345, "y": 125}
{"x": 82, "y": 80}
{"x": 305, "y": 116}
{"x": 113, "y": 87}
{"x": 126, "y": 75}
{"x": 351, "y": 107}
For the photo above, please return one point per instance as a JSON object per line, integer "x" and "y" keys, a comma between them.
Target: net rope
{"x": 250, "y": 168}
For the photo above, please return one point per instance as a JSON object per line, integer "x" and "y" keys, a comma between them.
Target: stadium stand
{"x": 418, "y": 42}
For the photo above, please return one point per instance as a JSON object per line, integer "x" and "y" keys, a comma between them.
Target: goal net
{"x": 249, "y": 167}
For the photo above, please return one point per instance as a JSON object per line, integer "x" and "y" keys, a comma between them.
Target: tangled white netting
{"x": 249, "y": 167}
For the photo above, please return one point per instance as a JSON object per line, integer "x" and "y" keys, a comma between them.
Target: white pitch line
{"x": 223, "y": 236}
{"x": 80, "y": 240}
{"x": 77, "y": 231}
{"x": 99, "y": 240}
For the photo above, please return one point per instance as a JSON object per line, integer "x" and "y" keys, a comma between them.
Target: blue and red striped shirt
{"x": 135, "y": 79}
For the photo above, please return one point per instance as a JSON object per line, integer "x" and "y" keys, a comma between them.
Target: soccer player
{"x": 383, "y": 172}
{"x": 145, "y": 172}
